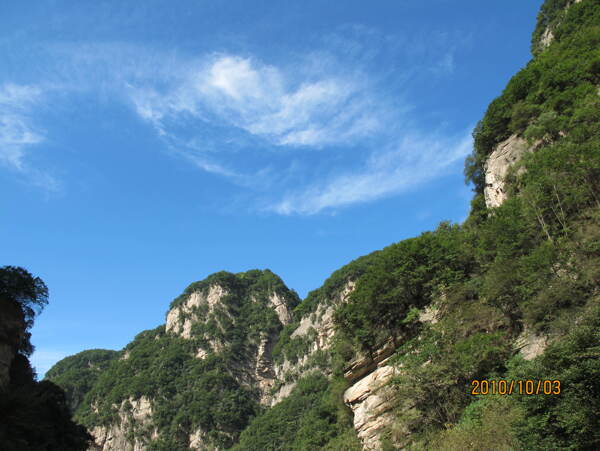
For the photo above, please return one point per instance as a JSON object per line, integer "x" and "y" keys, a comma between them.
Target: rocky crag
{"x": 213, "y": 353}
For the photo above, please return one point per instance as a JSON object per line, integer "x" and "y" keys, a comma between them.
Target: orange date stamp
{"x": 517, "y": 387}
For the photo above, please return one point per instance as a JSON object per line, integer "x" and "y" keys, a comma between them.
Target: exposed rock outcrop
{"x": 264, "y": 373}
{"x": 198, "y": 441}
{"x": 212, "y": 317}
{"x": 318, "y": 325}
{"x": 371, "y": 397}
{"x": 181, "y": 318}
{"x": 506, "y": 154}
{"x": 135, "y": 415}
{"x": 281, "y": 308}
{"x": 371, "y": 400}
{"x": 530, "y": 344}
{"x": 548, "y": 34}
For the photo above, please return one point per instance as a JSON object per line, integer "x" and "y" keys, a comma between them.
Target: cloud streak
{"x": 411, "y": 162}
{"x": 317, "y": 132}
{"x": 265, "y": 102}
{"x": 17, "y": 133}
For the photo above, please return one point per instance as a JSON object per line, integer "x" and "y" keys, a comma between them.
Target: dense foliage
{"x": 550, "y": 14}
{"x": 535, "y": 266}
{"x": 189, "y": 393}
{"x": 333, "y": 285}
{"x": 404, "y": 276}
{"x": 77, "y": 374}
{"x": 312, "y": 417}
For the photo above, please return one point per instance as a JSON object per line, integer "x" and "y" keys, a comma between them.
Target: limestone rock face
{"x": 548, "y": 35}
{"x": 134, "y": 415}
{"x": 370, "y": 396}
{"x": 181, "y": 318}
{"x": 531, "y": 345}
{"x": 212, "y": 317}
{"x": 546, "y": 38}
{"x": 362, "y": 365}
{"x": 506, "y": 154}
{"x": 281, "y": 308}
{"x": 198, "y": 441}
{"x": 371, "y": 401}
{"x": 259, "y": 372}
{"x": 263, "y": 369}
{"x": 318, "y": 325}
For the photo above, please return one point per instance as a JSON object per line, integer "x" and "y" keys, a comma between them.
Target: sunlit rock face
{"x": 506, "y": 154}
{"x": 259, "y": 370}
{"x": 530, "y": 344}
{"x": 547, "y": 36}
{"x": 370, "y": 397}
{"x": 371, "y": 401}
{"x": 320, "y": 326}
{"x": 181, "y": 318}
{"x": 135, "y": 417}
{"x": 281, "y": 308}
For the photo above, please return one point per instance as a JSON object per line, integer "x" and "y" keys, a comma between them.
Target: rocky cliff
{"x": 504, "y": 156}
{"x": 307, "y": 344}
{"x": 131, "y": 431}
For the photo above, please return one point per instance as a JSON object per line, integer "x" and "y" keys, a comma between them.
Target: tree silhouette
{"x": 20, "y": 291}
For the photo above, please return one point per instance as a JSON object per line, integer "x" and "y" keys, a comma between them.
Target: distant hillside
{"x": 78, "y": 373}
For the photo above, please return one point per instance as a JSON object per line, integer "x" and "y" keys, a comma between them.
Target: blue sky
{"x": 146, "y": 145}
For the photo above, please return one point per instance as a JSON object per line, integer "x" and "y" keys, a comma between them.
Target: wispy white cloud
{"x": 264, "y": 125}
{"x": 414, "y": 160}
{"x": 17, "y": 133}
{"x": 265, "y": 101}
